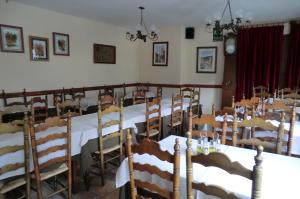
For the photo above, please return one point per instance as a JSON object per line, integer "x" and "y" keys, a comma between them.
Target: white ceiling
{"x": 170, "y": 12}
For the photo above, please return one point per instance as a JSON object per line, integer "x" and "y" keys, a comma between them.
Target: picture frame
{"x": 61, "y": 44}
{"x": 160, "y": 54}
{"x": 206, "y": 59}
{"x": 11, "y": 39}
{"x": 104, "y": 54}
{"x": 39, "y": 48}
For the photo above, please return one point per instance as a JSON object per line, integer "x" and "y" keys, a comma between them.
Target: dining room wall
{"x": 181, "y": 67}
{"x": 18, "y": 72}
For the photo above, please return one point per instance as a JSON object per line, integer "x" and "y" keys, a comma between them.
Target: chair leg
{"x": 102, "y": 169}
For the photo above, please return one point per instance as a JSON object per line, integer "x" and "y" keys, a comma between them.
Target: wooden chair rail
{"x": 94, "y": 88}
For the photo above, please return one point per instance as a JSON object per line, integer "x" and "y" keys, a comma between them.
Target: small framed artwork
{"x": 61, "y": 44}
{"x": 207, "y": 59}
{"x": 39, "y": 48}
{"x": 160, "y": 54}
{"x": 11, "y": 39}
{"x": 104, "y": 54}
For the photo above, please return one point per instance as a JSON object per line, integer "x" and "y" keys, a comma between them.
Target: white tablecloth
{"x": 149, "y": 94}
{"x": 280, "y": 173}
{"x": 84, "y": 128}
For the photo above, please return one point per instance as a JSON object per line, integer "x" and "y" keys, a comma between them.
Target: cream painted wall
{"x": 182, "y": 63}
{"x": 18, "y": 72}
{"x": 188, "y": 71}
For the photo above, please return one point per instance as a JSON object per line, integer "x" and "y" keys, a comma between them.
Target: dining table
{"x": 279, "y": 177}
{"x": 83, "y": 128}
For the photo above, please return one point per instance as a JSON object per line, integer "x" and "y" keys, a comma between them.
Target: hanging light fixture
{"x": 142, "y": 31}
{"x": 217, "y": 27}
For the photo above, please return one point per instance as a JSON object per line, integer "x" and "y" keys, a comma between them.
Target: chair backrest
{"x": 142, "y": 87}
{"x": 159, "y": 92}
{"x": 44, "y": 158}
{"x": 68, "y": 107}
{"x": 139, "y": 97}
{"x": 57, "y": 98}
{"x": 106, "y": 91}
{"x": 12, "y": 128}
{"x": 176, "y": 109}
{"x": 274, "y": 143}
{"x": 153, "y": 116}
{"x": 78, "y": 93}
{"x": 106, "y": 101}
{"x": 21, "y": 102}
{"x": 39, "y": 108}
{"x": 187, "y": 92}
{"x": 222, "y": 161}
{"x": 209, "y": 121}
{"x": 289, "y": 116}
{"x": 195, "y": 103}
{"x": 67, "y": 94}
{"x": 147, "y": 146}
{"x": 261, "y": 91}
{"x": 115, "y": 119}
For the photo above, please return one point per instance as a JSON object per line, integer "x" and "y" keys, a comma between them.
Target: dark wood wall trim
{"x": 92, "y": 88}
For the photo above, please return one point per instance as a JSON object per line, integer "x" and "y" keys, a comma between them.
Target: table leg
{"x": 75, "y": 176}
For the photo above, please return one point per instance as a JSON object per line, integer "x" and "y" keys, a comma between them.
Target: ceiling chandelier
{"x": 217, "y": 28}
{"x": 142, "y": 31}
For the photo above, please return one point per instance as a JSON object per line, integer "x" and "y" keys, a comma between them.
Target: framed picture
{"x": 39, "y": 48}
{"x": 207, "y": 59}
{"x": 11, "y": 39}
{"x": 104, "y": 54}
{"x": 61, "y": 45}
{"x": 160, "y": 54}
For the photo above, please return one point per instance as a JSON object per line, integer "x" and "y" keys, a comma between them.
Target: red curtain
{"x": 292, "y": 71}
{"x": 259, "y": 55}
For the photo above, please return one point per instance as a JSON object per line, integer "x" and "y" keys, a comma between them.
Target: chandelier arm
{"x": 228, "y": 2}
{"x": 224, "y": 10}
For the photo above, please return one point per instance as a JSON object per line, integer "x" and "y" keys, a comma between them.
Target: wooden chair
{"x": 222, "y": 161}
{"x": 68, "y": 107}
{"x": 57, "y": 98}
{"x": 39, "y": 109}
{"x": 261, "y": 92}
{"x": 24, "y": 180}
{"x": 106, "y": 91}
{"x": 177, "y": 113}
{"x": 209, "y": 121}
{"x": 150, "y": 147}
{"x": 139, "y": 97}
{"x": 19, "y": 103}
{"x": 289, "y": 116}
{"x": 153, "y": 119}
{"x": 274, "y": 143}
{"x": 110, "y": 153}
{"x": 67, "y": 94}
{"x": 159, "y": 92}
{"x": 195, "y": 104}
{"x": 78, "y": 94}
{"x": 106, "y": 101}
{"x": 46, "y": 165}
{"x": 142, "y": 87}
{"x": 187, "y": 92}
